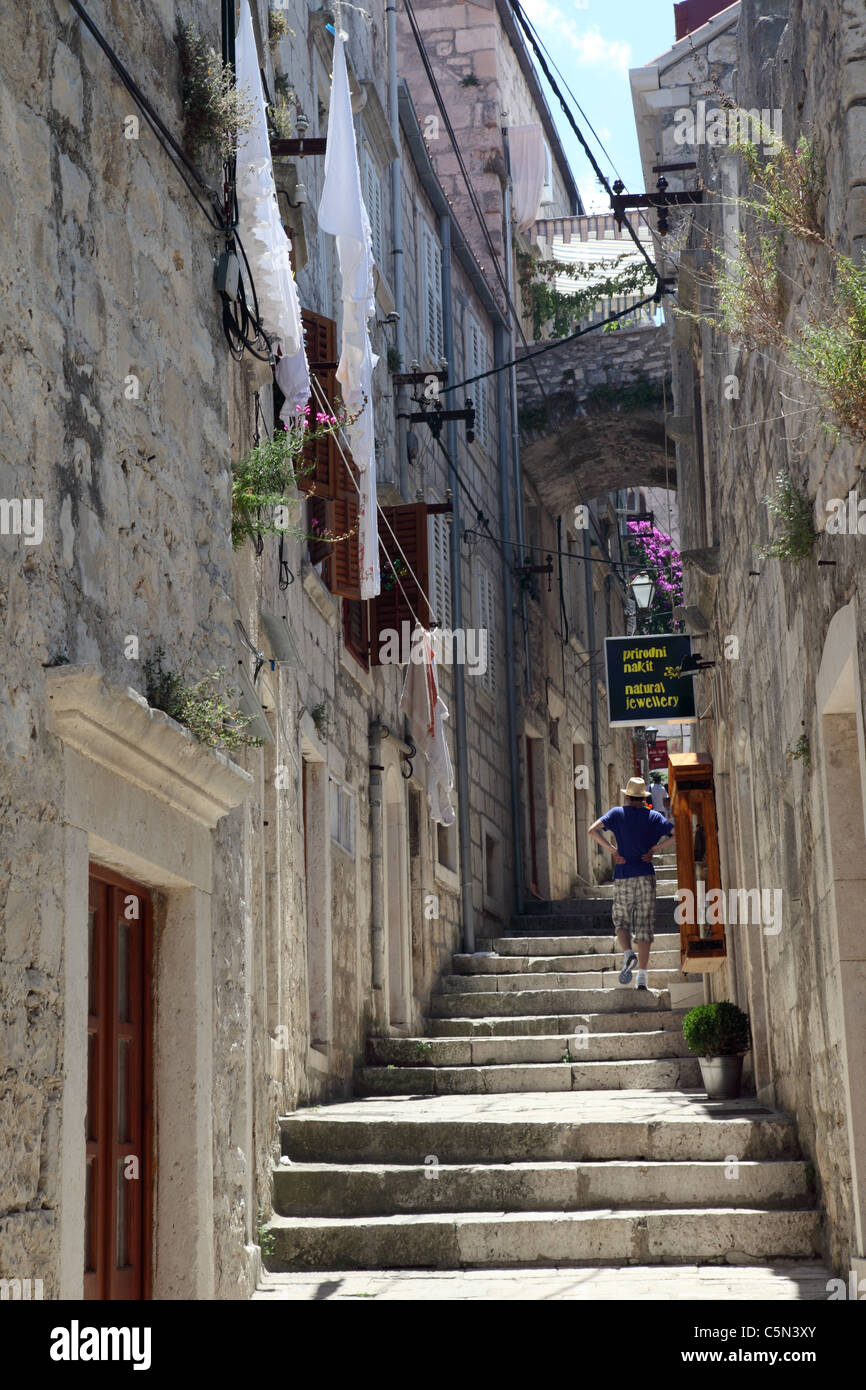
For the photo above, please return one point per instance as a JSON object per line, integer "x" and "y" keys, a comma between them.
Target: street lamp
{"x": 644, "y": 590}
{"x": 651, "y": 736}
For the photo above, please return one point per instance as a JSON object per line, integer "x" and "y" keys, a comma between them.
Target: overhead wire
{"x": 188, "y": 171}
{"x": 473, "y": 197}
{"x": 542, "y": 62}
{"x": 641, "y": 214}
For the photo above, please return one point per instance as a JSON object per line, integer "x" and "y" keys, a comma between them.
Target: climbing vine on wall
{"x": 557, "y": 313}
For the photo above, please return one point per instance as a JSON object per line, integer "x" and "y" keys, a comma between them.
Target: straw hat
{"x": 636, "y": 787}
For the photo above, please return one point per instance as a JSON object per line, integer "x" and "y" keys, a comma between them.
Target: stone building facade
{"x": 783, "y": 703}
{"x": 261, "y": 911}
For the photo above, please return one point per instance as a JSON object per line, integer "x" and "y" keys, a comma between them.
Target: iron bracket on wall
{"x": 436, "y": 417}
{"x": 620, "y": 201}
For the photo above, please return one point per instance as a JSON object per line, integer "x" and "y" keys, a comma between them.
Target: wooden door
{"x": 119, "y": 1090}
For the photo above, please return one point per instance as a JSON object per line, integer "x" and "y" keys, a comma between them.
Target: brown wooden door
{"x": 119, "y": 1090}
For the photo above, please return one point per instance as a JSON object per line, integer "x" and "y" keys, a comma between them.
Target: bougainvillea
{"x": 654, "y": 551}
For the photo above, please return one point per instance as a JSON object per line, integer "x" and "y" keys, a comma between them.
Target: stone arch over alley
{"x": 592, "y": 416}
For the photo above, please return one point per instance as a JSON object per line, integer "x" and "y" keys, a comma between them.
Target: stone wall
{"x": 773, "y": 805}
{"x": 107, "y": 268}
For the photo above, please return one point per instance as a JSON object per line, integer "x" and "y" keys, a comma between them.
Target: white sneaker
{"x": 640, "y": 982}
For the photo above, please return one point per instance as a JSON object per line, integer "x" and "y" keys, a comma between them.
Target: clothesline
{"x": 327, "y": 406}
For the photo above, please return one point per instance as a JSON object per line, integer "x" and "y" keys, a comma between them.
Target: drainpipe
{"x": 500, "y": 355}
{"x": 397, "y": 237}
{"x": 515, "y": 427}
{"x": 377, "y": 877}
{"x": 593, "y": 682}
{"x": 465, "y": 833}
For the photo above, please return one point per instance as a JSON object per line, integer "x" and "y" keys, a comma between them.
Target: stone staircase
{"x": 550, "y": 1117}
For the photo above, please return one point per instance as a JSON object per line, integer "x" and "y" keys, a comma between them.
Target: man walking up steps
{"x": 639, "y": 834}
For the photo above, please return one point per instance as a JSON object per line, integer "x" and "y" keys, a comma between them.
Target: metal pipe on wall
{"x": 397, "y": 236}
{"x": 593, "y": 681}
{"x": 377, "y": 876}
{"x": 463, "y": 818}
{"x": 515, "y": 424}
{"x": 500, "y": 355}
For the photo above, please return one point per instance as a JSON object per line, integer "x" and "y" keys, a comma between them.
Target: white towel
{"x": 261, "y": 231}
{"x": 427, "y": 712}
{"x": 342, "y": 213}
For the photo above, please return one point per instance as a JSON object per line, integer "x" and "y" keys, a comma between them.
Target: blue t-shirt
{"x": 635, "y": 829}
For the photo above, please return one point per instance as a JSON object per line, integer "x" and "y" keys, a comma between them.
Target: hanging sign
{"x": 642, "y": 684}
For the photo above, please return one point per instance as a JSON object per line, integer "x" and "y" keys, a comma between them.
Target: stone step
{"x": 570, "y": 907}
{"x": 571, "y": 945}
{"x": 506, "y": 1051}
{"x": 665, "y": 1074}
{"x": 569, "y": 1126}
{"x": 786, "y": 1281}
{"x": 550, "y": 980}
{"x": 476, "y": 1004}
{"x": 595, "y": 923}
{"x": 672, "y": 1235}
{"x": 377, "y": 1189}
{"x": 542, "y": 1026}
{"x": 508, "y": 964}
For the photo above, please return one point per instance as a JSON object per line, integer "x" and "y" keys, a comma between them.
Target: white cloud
{"x": 590, "y": 45}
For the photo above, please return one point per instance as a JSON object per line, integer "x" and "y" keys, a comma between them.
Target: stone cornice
{"x": 115, "y": 727}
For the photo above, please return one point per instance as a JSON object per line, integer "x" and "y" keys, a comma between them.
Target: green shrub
{"x": 215, "y": 111}
{"x": 794, "y": 510}
{"x": 202, "y": 708}
{"x": 717, "y": 1030}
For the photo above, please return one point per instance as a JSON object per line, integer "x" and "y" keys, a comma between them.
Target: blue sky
{"x": 594, "y": 43}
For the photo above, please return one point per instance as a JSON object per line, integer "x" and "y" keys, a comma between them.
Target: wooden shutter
{"x": 476, "y": 361}
{"x": 373, "y": 202}
{"x": 320, "y": 338}
{"x": 345, "y": 576}
{"x": 432, "y": 279}
{"x": 320, "y": 522}
{"x": 485, "y": 620}
{"x": 356, "y": 630}
{"x": 408, "y": 598}
{"x": 440, "y": 569}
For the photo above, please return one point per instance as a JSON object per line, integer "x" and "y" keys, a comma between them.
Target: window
{"x": 485, "y": 619}
{"x": 439, "y": 547}
{"x": 332, "y": 507}
{"x": 431, "y": 293}
{"x": 446, "y": 847}
{"x": 342, "y": 816}
{"x": 477, "y": 361}
{"x": 492, "y": 871}
{"x": 371, "y": 187}
{"x": 356, "y": 630}
{"x": 403, "y": 533}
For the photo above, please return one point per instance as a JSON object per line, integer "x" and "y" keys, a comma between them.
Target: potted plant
{"x": 720, "y": 1035}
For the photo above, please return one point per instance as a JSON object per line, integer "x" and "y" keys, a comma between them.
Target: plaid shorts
{"x": 634, "y": 906}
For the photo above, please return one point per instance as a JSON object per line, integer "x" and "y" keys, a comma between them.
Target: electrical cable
{"x": 641, "y": 214}
{"x": 560, "y": 342}
{"x": 528, "y": 30}
{"x": 473, "y": 197}
{"x": 324, "y": 403}
{"x": 181, "y": 161}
